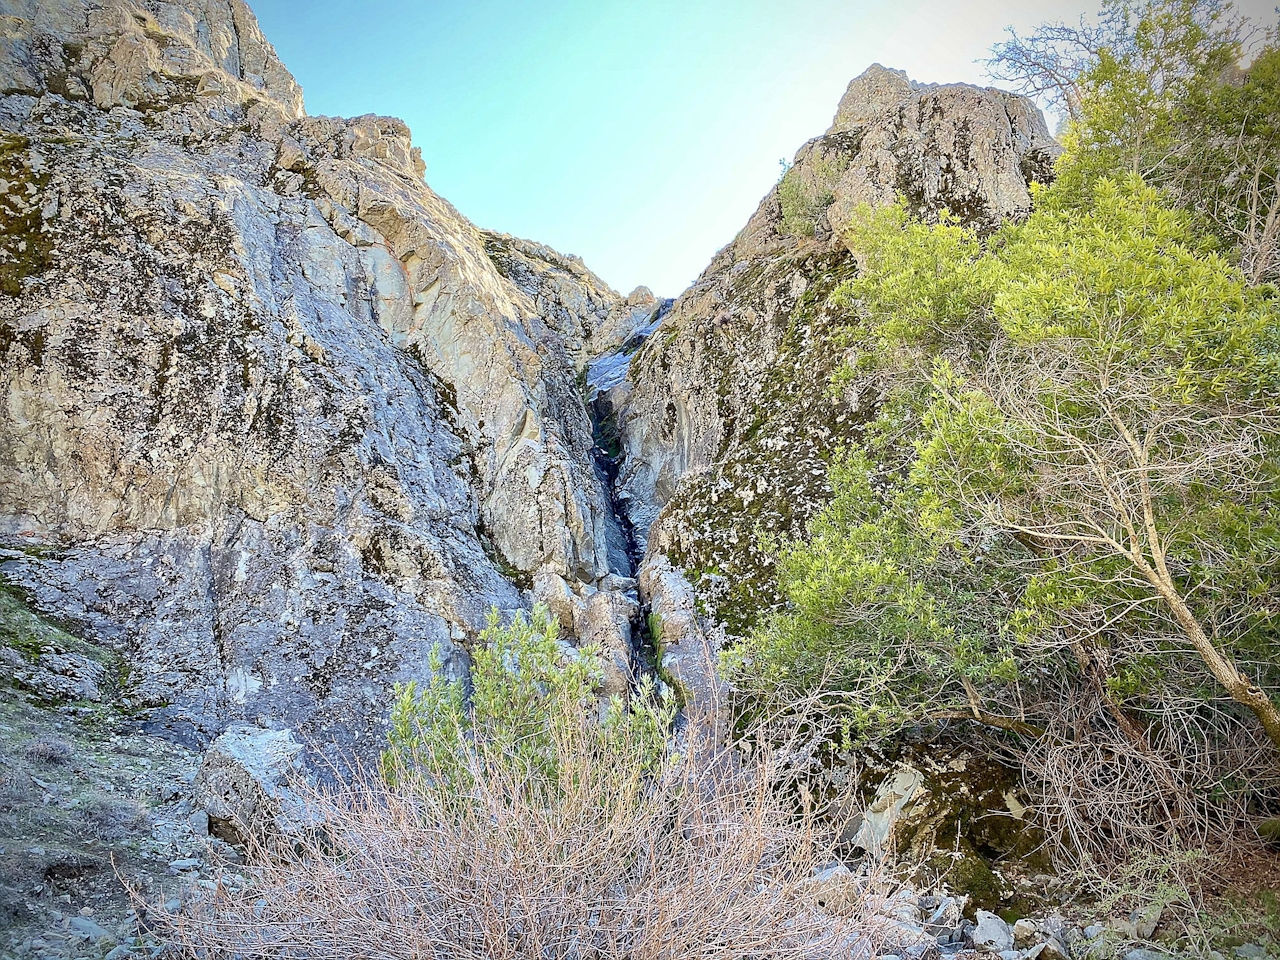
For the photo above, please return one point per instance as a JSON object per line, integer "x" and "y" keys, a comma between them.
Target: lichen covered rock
{"x": 247, "y": 784}
{"x": 273, "y": 409}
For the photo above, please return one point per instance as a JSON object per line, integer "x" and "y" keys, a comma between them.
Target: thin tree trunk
{"x": 1224, "y": 671}
{"x": 1096, "y": 674}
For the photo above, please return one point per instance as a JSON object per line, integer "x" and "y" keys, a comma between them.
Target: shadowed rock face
{"x": 278, "y": 420}
{"x": 725, "y": 417}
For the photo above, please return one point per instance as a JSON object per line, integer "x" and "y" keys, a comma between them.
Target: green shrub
{"x": 1064, "y": 523}
{"x": 885, "y": 625}
{"x": 805, "y": 191}
{"x": 528, "y": 691}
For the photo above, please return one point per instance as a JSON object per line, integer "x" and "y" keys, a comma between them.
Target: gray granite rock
{"x": 992, "y": 934}
{"x": 279, "y": 421}
{"x": 247, "y": 785}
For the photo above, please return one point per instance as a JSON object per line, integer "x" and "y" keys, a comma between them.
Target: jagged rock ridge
{"x": 726, "y": 419}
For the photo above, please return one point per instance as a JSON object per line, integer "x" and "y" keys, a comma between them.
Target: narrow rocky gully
{"x": 283, "y": 428}
{"x": 605, "y": 399}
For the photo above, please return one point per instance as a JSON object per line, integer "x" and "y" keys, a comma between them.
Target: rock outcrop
{"x": 590, "y": 318}
{"x": 246, "y": 785}
{"x": 726, "y": 419}
{"x": 278, "y": 419}
{"x": 973, "y": 150}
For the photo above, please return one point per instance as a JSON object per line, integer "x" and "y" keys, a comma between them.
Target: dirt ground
{"x": 91, "y": 807}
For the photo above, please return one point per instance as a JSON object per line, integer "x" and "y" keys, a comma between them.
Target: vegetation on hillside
{"x": 528, "y": 692}
{"x": 1064, "y": 529}
{"x": 805, "y": 192}
{"x": 515, "y": 824}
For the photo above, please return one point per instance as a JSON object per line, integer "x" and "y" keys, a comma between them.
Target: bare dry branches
{"x": 1107, "y": 467}
{"x": 709, "y": 859}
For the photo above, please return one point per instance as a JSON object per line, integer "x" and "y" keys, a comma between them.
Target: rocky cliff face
{"x": 278, "y": 420}
{"x": 725, "y": 416}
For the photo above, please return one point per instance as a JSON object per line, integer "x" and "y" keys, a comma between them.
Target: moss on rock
{"x": 34, "y": 635}
{"x": 771, "y": 471}
{"x": 25, "y": 243}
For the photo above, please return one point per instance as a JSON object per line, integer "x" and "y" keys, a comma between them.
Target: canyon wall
{"x": 279, "y": 421}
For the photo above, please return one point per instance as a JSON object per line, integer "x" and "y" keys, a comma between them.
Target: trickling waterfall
{"x": 604, "y": 373}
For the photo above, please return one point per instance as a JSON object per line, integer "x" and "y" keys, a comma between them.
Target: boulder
{"x": 973, "y": 150}
{"x": 688, "y": 653}
{"x": 835, "y": 889}
{"x": 1024, "y": 932}
{"x": 1269, "y": 831}
{"x": 89, "y": 929}
{"x": 55, "y": 676}
{"x": 246, "y": 785}
{"x": 1145, "y": 920}
{"x": 992, "y": 934}
{"x": 1053, "y": 948}
{"x": 604, "y": 621}
{"x": 894, "y": 799}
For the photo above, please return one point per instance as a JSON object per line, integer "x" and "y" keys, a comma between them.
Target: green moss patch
{"x": 25, "y": 244}
{"x": 31, "y": 634}
{"x": 771, "y": 474}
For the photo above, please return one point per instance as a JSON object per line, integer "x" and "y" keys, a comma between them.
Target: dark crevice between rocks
{"x": 607, "y": 454}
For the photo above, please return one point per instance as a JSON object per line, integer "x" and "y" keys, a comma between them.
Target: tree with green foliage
{"x": 1226, "y": 164}
{"x": 1123, "y": 79}
{"x": 1122, "y": 425}
{"x": 885, "y": 626}
{"x": 1064, "y": 522}
{"x": 1155, "y": 89}
{"x": 1064, "y": 526}
{"x": 1097, "y": 387}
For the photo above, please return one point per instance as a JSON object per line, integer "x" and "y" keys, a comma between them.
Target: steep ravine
{"x": 281, "y": 423}
{"x": 605, "y": 382}
{"x": 605, "y": 374}
{"x": 727, "y": 420}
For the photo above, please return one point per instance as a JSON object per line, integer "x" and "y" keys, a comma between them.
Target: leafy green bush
{"x": 1156, "y": 89}
{"x": 528, "y": 691}
{"x": 885, "y": 624}
{"x": 1065, "y": 525}
{"x": 806, "y": 191}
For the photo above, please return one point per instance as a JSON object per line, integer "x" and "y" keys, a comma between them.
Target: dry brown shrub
{"x": 110, "y": 819}
{"x": 1156, "y": 816}
{"x": 707, "y": 857}
{"x": 47, "y": 750}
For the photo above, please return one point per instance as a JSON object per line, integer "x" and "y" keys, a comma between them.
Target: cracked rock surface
{"x": 278, "y": 420}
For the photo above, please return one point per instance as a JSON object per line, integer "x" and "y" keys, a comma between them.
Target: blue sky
{"x": 638, "y": 135}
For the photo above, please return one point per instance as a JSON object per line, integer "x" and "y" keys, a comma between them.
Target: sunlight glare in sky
{"x": 638, "y": 135}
